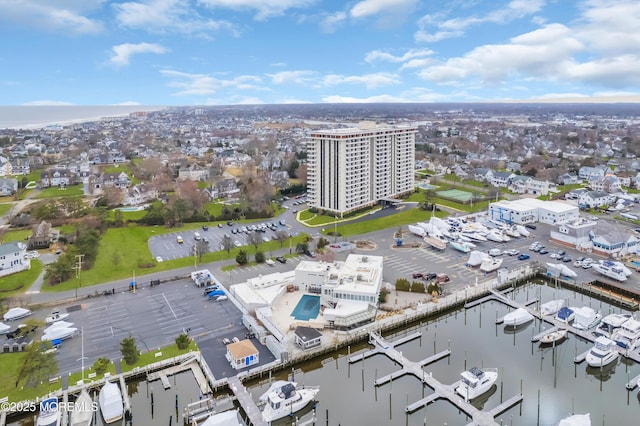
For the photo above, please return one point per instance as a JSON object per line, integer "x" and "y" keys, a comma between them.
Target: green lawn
{"x": 135, "y": 215}
{"x": 70, "y": 191}
{"x": 17, "y": 235}
{"x": 77, "y": 376}
{"x": 11, "y": 365}
{"x": 20, "y": 282}
{"x": 4, "y": 208}
{"x": 150, "y": 357}
{"x": 408, "y": 216}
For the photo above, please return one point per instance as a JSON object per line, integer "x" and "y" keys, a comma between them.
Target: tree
{"x": 101, "y": 366}
{"x": 254, "y": 238}
{"x": 281, "y": 236}
{"x": 129, "y": 350}
{"x": 322, "y": 243}
{"x": 38, "y": 365}
{"x": 241, "y": 258}
{"x": 193, "y": 197}
{"x": 200, "y": 248}
{"x": 293, "y": 165}
{"x": 227, "y": 244}
{"x": 302, "y": 248}
{"x": 301, "y": 173}
{"x": 182, "y": 341}
{"x": 260, "y": 258}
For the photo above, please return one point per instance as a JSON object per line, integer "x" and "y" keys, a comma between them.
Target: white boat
{"x": 460, "y": 246}
{"x": 610, "y": 323}
{"x": 59, "y": 324}
{"x": 512, "y": 232}
{"x": 517, "y": 317}
{"x": 55, "y": 317}
{"x": 610, "y": 269}
{"x": 225, "y": 418}
{"x": 49, "y": 414}
{"x": 576, "y": 420}
{"x": 565, "y": 315}
{"x": 110, "y": 400}
{"x": 16, "y": 314}
{"x": 476, "y": 381}
{"x": 82, "y": 414}
{"x": 491, "y": 264}
{"x": 417, "y": 230}
{"x": 476, "y": 258}
{"x": 603, "y": 352}
{"x": 496, "y": 236}
{"x": 561, "y": 269}
{"x": 554, "y": 336}
{"x": 435, "y": 241}
{"x": 551, "y": 307}
{"x": 628, "y": 335}
{"x": 60, "y": 333}
{"x": 285, "y": 399}
{"x": 4, "y": 328}
{"x": 523, "y": 231}
{"x": 586, "y": 318}
{"x": 474, "y": 236}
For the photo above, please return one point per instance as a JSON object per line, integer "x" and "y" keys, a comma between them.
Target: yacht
{"x": 285, "y": 398}
{"x": 565, "y": 315}
{"x": 610, "y": 323}
{"x": 436, "y": 241}
{"x": 476, "y": 381}
{"x": 523, "y": 231}
{"x": 603, "y": 352}
{"x": 461, "y": 246}
{"x": 49, "y": 414}
{"x": 55, "y": 317}
{"x": 517, "y": 317}
{"x": 551, "y": 307}
{"x": 610, "y": 269}
{"x": 111, "y": 402}
{"x": 628, "y": 335}
{"x": 586, "y": 318}
{"x": 496, "y": 236}
{"x": 576, "y": 420}
{"x": 554, "y": 336}
{"x": 4, "y": 328}
{"x": 82, "y": 414}
{"x": 491, "y": 264}
{"x": 16, "y": 314}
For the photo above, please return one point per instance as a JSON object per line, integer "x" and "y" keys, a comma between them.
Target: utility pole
{"x": 79, "y": 258}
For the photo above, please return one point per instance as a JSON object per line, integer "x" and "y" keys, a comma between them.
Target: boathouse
{"x": 307, "y": 337}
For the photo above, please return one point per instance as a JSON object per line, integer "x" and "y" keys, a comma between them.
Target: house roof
{"x": 241, "y": 349}
{"x": 11, "y": 247}
{"x": 307, "y": 333}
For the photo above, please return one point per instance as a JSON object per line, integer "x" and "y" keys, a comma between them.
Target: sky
{"x": 228, "y": 52}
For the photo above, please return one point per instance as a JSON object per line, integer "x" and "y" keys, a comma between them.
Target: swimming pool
{"x": 131, "y": 209}
{"x": 426, "y": 186}
{"x": 307, "y": 308}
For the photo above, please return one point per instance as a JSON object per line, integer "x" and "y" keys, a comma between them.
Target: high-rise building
{"x": 352, "y": 168}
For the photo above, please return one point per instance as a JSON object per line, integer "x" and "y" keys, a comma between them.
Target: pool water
{"x": 307, "y": 308}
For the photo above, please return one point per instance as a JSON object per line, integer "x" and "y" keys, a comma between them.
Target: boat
{"x": 561, "y": 269}
{"x": 49, "y": 414}
{"x": 496, "y": 236}
{"x": 586, "y": 318}
{"x": 476, "y": 258}
{"x": 610, "y": 269}
{"x": 610, "y": 323}
{"x": 565, "y": 315}
{"x": 55, "y": 317}
{"x": 554, "y": 336}
{"x": 417, "y": 230}
{"x": 60, "y": 333}
{"x": 512, "y": 232}
{"x": 110, "y": 400}
{"x": 576, "y": 420}
{"x": 82, "y": 414}
{"x": 4, "y": 328}
{"x": 460, "y": 246}
{"x": 523, "y": 231}
{"x": 59, "y": 324}
{"x": 225, "y": 418}
{"x": 474, "y": 236}
{"x": 436, "y": 241}
{"x": 628, "y": 335}
{"x": 603, "y": 352}
{"x": 551, "y": 307}
{"x": 491, "y": 264}
{"x": 476, "y": 381}
{"x": 16, "y": 314}
{"x": 284, "y": 398}
{"x": 517, "y": 317}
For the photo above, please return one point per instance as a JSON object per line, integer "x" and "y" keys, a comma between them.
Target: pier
{"x": 125, "y": 395}
{"x": 246, "y": 401}
{"x": 189, "y": 364}
{"x": 65, "y": 413}
{"x": 441, "y": 390}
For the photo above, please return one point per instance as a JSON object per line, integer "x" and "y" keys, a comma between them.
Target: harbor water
{"x": 552, "y": 385}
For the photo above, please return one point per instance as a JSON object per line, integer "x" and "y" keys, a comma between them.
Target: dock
{"x": 3, "y": 418}
{"x": 65, "y": 413}
{"x": 480, "y": 418}
{"x": 125, "y": 395}
{"x": 246, "y": 401}
{"x": 190, "y": 364}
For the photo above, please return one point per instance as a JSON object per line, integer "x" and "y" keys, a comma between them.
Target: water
{"x": 347, "y": 395}
{"x": 31, "y": 117}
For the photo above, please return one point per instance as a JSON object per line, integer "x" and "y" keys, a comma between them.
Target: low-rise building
{"x": 8, "y": 186}
{"x": 242, "y": 354}
{"x": 13, "y": 258}
{"x": 530, "y": 210}
{"x": 307, "y": 337}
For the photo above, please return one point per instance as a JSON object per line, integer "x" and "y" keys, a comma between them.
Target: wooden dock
{"x": 246, "y": 401}
{"x": 3, "y": 418}
{"x": 441, "y": 390}
{"x": 125, "y": 395}
{"x": 163, "y": 375}
{"x": 65, "y": 412}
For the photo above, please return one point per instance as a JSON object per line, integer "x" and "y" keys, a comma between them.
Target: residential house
{"x": 140, "y": 194}
{"x": 8, "y": 186}
{"x": 42, "y": 236}
{"x": 307, "y": 337}
{"x": 116, "y": 180}
{"x": 528, "y": 185}
{"x": 20, "y": 166}
{"x": 193, "y": 172}
{"x": 483, "y": 174}
{"x": 242, "y": 354}
{"x": 13, "y": 258}
{"x": 593, "y": 199}
{"x": 501, "y": 179}
{"x": 609, "y": 183}
{"x": 5, "y": 167}
{"x": 55, "y": 177}
{"x": 513, "y": 166}
{"x": 568, "y": 179}
{"x": 588, "y": 173}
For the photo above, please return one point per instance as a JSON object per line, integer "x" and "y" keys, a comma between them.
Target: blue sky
{"x": 218, "y": 52}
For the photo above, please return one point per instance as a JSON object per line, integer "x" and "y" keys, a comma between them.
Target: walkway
{"x": 246, "y": 401}
{"x": 478, "y": 417}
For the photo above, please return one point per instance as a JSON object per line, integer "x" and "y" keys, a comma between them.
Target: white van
{"x": 196, "y": 236}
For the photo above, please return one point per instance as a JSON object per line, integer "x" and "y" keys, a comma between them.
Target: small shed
{"x": 242, "y": 354}
{"x": 307, "y": 337}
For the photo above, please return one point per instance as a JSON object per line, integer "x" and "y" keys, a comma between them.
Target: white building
{"x": 13, "y": 258}
{"x": 352, "y": 168}
{"x": 530, "y": 210}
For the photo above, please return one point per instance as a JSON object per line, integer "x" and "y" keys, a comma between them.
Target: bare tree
{"x": 301, "y": 173}
{"x": 281, "y": 236}
{"x": 254, "y": 238}
{"x": 188, "y": 190}
{"x": 227, "y": 244}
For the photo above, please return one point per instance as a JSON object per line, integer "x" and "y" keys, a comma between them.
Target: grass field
{"x": 20, "y": 282}
{"x": 150, "y": 357}
{"x": 4, "y": 208}
{"x": 11, "y": 366}
{"x": 70, "y": 191}
{"x": 17, "y": 235}
{"x": 77, "y": 376}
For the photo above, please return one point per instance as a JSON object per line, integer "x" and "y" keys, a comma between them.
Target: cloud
{"x": 293, "y": 77}
{"x": 370, "y": 81}
{"x": 366, "y": 8}
{"x": 47, "y": 102}
{"x": 329, "y": 23}
{"x": 122, "y": 53}
{"x": 264, "y": 9}
{"x": 43, "y": 15}
{"x": 380, "y": 55}
{"x": 202, "y": 84}
{"x": 168, "y": 16}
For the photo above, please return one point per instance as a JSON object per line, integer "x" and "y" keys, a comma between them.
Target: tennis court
{"x": 456, "y": 194}
{"x": 307, "y": 308}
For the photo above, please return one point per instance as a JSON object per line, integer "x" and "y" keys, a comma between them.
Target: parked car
{"x": 566, "y": 259}
{"x": 205, "y": 228}
{"x": 270, "y": 262}
{"x": 281, "y": 259}
{"x": 418, "y": 275}
{"x": 511, "y": 252}
{"x": 179, "y": 239}
{"x": 523, "y": 256}
{"x": 530, "y": 226}
{"x": 230, "y": 223}
{"x": 159, "y": 259}
{"x": 219, "y": 225}
{"x": 543, "y": 251}
{"x": 430, "y": 276}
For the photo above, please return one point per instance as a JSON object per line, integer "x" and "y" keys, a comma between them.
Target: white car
{"x": 270, "y": 262}
{"x": 159, "y": 259}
